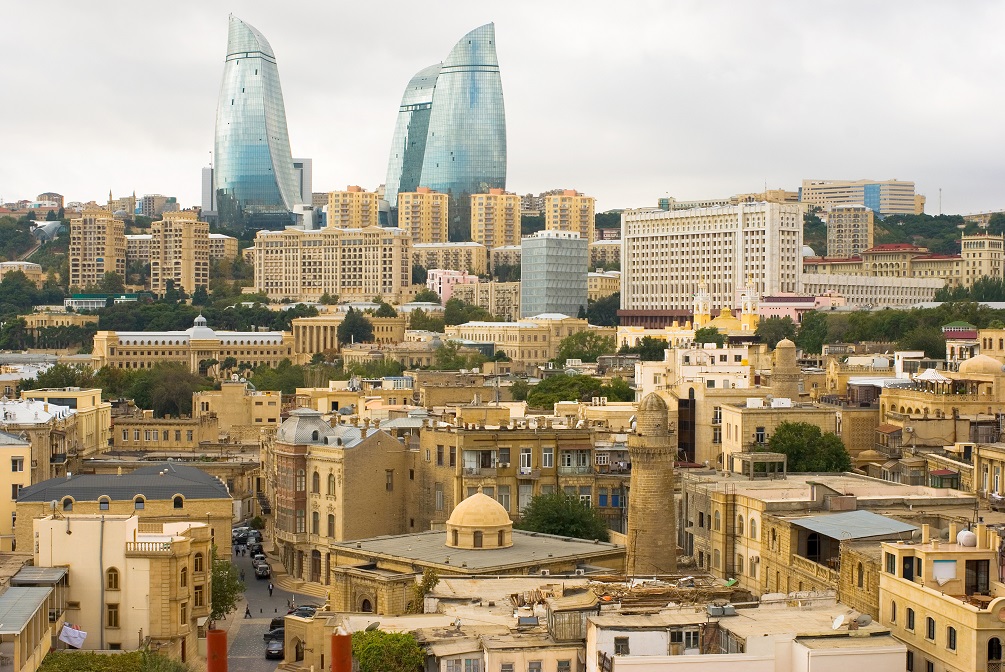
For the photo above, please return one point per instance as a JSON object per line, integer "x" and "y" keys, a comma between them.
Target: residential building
{"x": 16, "y": 452}
{"x": 570, "y": 211}
{"x": 93, "y": 417}
{"x": 51, "y": 197}
{"x": 553, "y": 273}
{"x": 667, "y": 254}
{"x": 142, "y": 433}
{"x": 495, "y": 218}
{"x": 794, "y": 306}
{"x": 138, "y": 248}
{"x": 867, "y": 291}
{"x": 468, "y": 256}
{"x": 254, "y": 181}
{"x": 50, "y": 428}
{"x": 155, "y": 205}
{"x": 425, "y": 215}
{"x": 240, "y": 408}
{"x": 354, "y": 208}
{"x": 443, "y": 281}
{"x": 602, "y": 284}
{"x": 886, "y": 197}
{"x": 97, "y": 246}
{"x": 30, "y": 270}
{"x": 505, "y": 255}
{"x": 130, "y": 588}
{"x": 222, "y": 247}
{"x": 499, "y": 298}
{"x": 353, "y": 264}
{"x": 530, "y": 340}
{"x": 605, "y": 254}
{"x": 849, "y": 230}
{"x": 179, "y": 253}
{"x": 96, "y": 301}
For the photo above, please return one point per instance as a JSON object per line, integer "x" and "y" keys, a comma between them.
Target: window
{"x": 547, "y": 457}
{"x": 197, "y": 565}
{"x": 910, "y": 661}
{"x": 103, "y": 504}
{"x": 891, "y": 563}
{"x": 67, "y": 504}
{"x": 179, "y": 502}
{"x": 929, "y": 666}
{"x": 111, "y": 615}
{"x": 478, "y": 539}
{"x": 183, "y": 612}
{"x": 200, "y": 596}
{"x": 739, "y": 524}
{"x": 331, "y": 525}
{"x": 716, "y": 521}
{"x": 389, "y": 479}
{"x": 893, "y": 611}
{"x": 860, "y": 575}
{"x": 453, "y": 456}
{"x": 716, "y": 434}
{"x": 506, "y": 667}
{"x": 177, "y": 435}
{"x": 136, "y": 435}
{"x": 504, "y": 455}
{"x": 930, "y": 628}
{"x": 15, "y": 490}
{"x": 759, "y": 435}
{"x": 183, "y": 577}
{"x": 504, "y": 496}
{"x": 316, "y": 483}
{"x": 534, "y": 666}
{"x": 910, "y": 618}
{"x": 438, "y": 490}
{"x": 17, "y": 464}
{"x": 739, "y": 564}
{"x": 112, "y": 579}
{"x": 715, "y": 558}
{"x": 717, "y": 415}
{"x": 125, "y": 434}
{"x": 139, "y": 503}
{"x": 301, "y": 481}
{"x": 315, "y": 523}
{"x": 753, "y": 528}
{"x": 301, "y": 520}
{"x": 188, "y": 435}
{"x": 439, "y": 456}
{"x": 602, "y": 496}
{"x": 951, "y": 638}
{"x": 621, "y": 646}
{"x": 564, "y": 666}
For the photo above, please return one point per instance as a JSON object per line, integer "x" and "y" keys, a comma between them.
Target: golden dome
{"x": 981, "y": 365}
{"x": 479, "y": 522}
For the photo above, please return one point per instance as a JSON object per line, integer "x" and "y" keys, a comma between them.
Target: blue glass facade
{"x": 254, "y": 178}
{"x": 451, "y": 130}
{"x": 870, "y": 197}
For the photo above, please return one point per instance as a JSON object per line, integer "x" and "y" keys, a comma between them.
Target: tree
{"x": 809, "y": 449}
{"x": 354, "y": 328}
{"x": 228, "y": 363}
{"x": 200, "y": 297}
{"x": 448, "y": 357}
{"x": 929, "y": 339}
{"x": 61, "y": 375}
{"x": 419, "y": 274}
{"x": 167, "y": 389}
{"x": 710, "y": 335}
{"x": 328, "y": 300}
{"x": 586, "y": 345}
{"x": 427, "y": 295}
{"x": 378, "y": 651}
{"x": 226, "y": 587}
{"x": 459, "y": 312}
{"x": 563, "y": 387}
{"x": 420, "y": 589}
{"x": 773, "y": 329}
{"x": 648, "y": 349}
{"x": 812, "y": 332}
{"x": 385, "y": 310}
{"x": 111, "y": 283}
{"x": 564, "y": 515}
{"x": 519, "y": 389}
{"x": 604, "y": 312}
{"x": 420, "y": 320}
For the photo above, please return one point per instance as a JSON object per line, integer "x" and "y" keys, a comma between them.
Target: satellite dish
{"x": 838, "y": 622}
{"x": 373, "y": 626}
{"x": 863, "y": 620}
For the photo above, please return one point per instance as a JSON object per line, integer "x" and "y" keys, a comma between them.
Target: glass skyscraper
{"x": 451, "y": 130}
{"x": 253, "y": 176}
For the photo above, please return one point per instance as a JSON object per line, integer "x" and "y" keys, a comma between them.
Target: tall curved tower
{"x": 464, "y": 148}
{"x": 253, "y": 175}
{"x": 652, "y": 522}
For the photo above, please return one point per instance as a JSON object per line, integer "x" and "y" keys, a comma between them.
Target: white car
{"x": 239, "y": 531}
{"x": 258, "y": 560}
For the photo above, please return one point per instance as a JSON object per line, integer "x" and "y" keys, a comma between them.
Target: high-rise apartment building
{"x": 353, "y": 264}
{"x": 470, "y": 257}
{"x": 222, "y": 247}
{"x": 665, "y": 255}
{"x": 887, "y": 197}
{"x": 254, "y": 179}
{"x": 97, "y": 246}
{"x": 570, "y": 211}
{"x": 553, "y": 273}
{"x": 354, "y": 208}
{"x": 179, "y": 252}
{"x": 849, "y": 230}
{"x": 450, "y": 134}
{"x": 495, "y": 218}
{"x": 425, "y": 215}
{"x": 154, "y": 205}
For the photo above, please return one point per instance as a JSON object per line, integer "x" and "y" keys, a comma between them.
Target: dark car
{"x": 241, "y": 540}
{"x": 277, "y": 622}
{"x": 304, "y": 612}
{"x": 274, "y": 648}
{"x": 255, "y": 548}
{"x": 255, "y": 535}
{"x": 275, "y": 633}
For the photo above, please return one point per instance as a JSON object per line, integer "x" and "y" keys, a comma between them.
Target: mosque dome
{"x": 982, "y": 365}
{"x": 653, "y": 402}
{"x": 808, "y": 251}
{"x": 479, "y": 522}
{"x": 785, "y": 343}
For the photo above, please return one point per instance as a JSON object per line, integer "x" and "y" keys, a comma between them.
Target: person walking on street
{"x": 247, "y": 611}
{"x": 270, "y": 589}
{"x": 237, "y": 550}
{"x": 242, "y": 575}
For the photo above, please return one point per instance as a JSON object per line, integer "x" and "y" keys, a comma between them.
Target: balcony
{"x": 528, "y": 473}
{"x": 144, "y": 548}
{"x": 815, "y": 569}
{"x": 579, "y": 469}
{"x": 480, "y": 471}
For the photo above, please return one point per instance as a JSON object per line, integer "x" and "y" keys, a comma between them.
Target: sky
{"x": 624, "y": 101}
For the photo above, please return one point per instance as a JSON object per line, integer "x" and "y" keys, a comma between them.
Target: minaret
{"x": 785, "y": 371}
{"x": 702, "y": 306}
{"x": 749, "y": 300}
{"x": 652, "y": 523}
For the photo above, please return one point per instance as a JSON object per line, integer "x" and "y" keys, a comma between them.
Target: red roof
{"x": 831, "y": 260}
{"x": 942, "y": 472}
{"x": 893, "y": 247}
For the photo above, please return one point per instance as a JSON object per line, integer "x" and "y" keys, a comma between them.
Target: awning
{"x": 892, "y": 465}
{"x": 201, "y": 621}
{"x": 932, "y": 376}
{"x": 853, "y": 525}
{"x": 888, "y": 429}
{"x": 943, "y": 472}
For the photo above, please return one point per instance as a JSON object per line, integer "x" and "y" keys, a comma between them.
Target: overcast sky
{"x": 625, "y": 101}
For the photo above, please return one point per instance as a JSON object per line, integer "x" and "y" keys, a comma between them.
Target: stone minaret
{"x": 652, "y": 524}
{"x": 785, "y": 371}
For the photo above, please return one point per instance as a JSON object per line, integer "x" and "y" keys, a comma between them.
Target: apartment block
{"x": 138, "y": 248}
{"x": 240, "y": 408}
{"x": 553, "y": 273}
{"x": 885, "y": 197}
{"x": 93, "y": 417}
{"x": 531, "y": 340}
{"x": 179, "y": 252}
{"x": 495, "y": 218}
{"x": 155, "y": 205}
{"x": 602, "y": 284}
{"x": 222, "y": 247}
{"x": 605, "y": 253}
{"x": 507, "y": 255}
{"x": 442, "y": 281}
{"x": 97, "y": 246}
{"x": 849, "y": 230}
{"x": 570, "y": 211}
{"x": 499, "y": 298}
{"x": 467, "y": 256}
{"x": 424, "y": 214}
{"x": 15, "y": 452}
{"x": 354, "y": 208}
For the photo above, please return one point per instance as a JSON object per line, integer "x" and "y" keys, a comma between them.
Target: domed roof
{"x": 981, "y": 364}
{"x": 199, "y": 330}
{"x": 784, "y": 343}
{"x": 871, "y": 456}
{"x": 808, "y": 251}
{"x": 479, "y": 510}
{"x": 305, "y": 425}
{"x": 653, "y": 402}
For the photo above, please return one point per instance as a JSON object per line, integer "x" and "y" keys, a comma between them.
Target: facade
{"x": 570, "y": 211}
{"x": 425, "y": 215}
{"x": 666, "y": 255}
{"x": 871, "y": 291}
{"x": 138, "y": 248}
{"x": 93, "y": 417}
{"x": 155, "y": 205}
{"x": 450, "y": 134}
{"x": 240, "y": 408}
{"x": 50, "y": 428}
{"x": 499, "y": 298}
{"x": 179, "y": 252}
{"x": 443, "y": 282}
{"x": 605, "y": 254}
{"x": 253, "y": 176}
{"x": 97, "y": 246}
{"x": 887, "y": 197}
{"x": 495, "y": 218}
{"x": 320, "y": 334}
{"x": 849, "y": 230}
{"x": 353, "y": 264}
{"x": 16, "y": 452}
{"x": 354, "y": 208}
{"x": 222, "y": 247}
{"x": 506, "y": 255}
{"x": 468, "y": 256}
{"x": 602, "y": 284}
{"x": 530, "y": 340}
{"x": 553, "y": 273}
{"x": 30, "y": 270}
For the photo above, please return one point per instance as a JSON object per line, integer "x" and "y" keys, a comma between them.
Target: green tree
{"x": 354, "y": 328}
{"x": 531, "y": 224}
{"x": 812, "y": 332}
{"x": 648, "y": 349}
{"x": 564, "y": 515}
{"x": 773, "y": 329}
{"x": 563, "y": 387}
{"x": 228, "y": 364}
{"x": 167, "y": 389}
{"x": 227, "y": 587}
{"x": 419, "y": 274}
{"x": 586, "y": 345}
{"x": 809, "y": 449}
{"x": 421, "y": 588}
{"x": 427, "y": 295}
{"x": 378, "y": 651}
{"x": 929, "y": 339}
{"x": 519, "y": 389}
{"x": 506, "y": 272}
{"x": 200, "y": 297}
{"x": 421, "y": 320}
{"x": 449, "y": 357}
{"x": 458, "y": 312}
{"x": 111, "y": 283}
{"x": 617, "y": 389}
{"x": 61, "y": 375}
{"x": 328, "y": 300}
{"x": 710, "y": 335}
{"x": 604, "y": 312}
{"x": 385, "y": 310}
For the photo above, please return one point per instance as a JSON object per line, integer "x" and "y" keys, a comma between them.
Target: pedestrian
{"x": 247, "y": 611}
{"x": 242, "y": 575}
{"x": 270, "y": 589}
{"x": 237, "y": 550}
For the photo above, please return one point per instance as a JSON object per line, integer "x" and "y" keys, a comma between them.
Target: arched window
{"x": 716, "y": 521}
{"x": 316, "y": 483}
{"x": 331, "y": 525}
{"x": 315, "y": 523}
{"x": 103, "y": 503}
{"x": 994, "y": 650}
{"x": 478, "y": 539}
{"x": 774, "y": 539}
{"x": 860, "y": 575}
{"x": 139, "y": 503}
{"x": 314, "y": 435}
{"x": 67, "y": 504}
{"x": 739, "y": 524}
{"x": 112, "y": 579}
{"x": 301, "y": 483}
{"x": 456, "y": 537}
{"x": 179, "y": 502}
{"x": 753, "y": 528}
{"x": 502, "y": 539}
{"x": 197, "y": 565}
{"x": 183, "y": 577}
{"x": 331, "y": 484}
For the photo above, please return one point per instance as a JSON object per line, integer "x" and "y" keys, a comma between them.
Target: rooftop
{"x": 18, "y": 605}
{"x": 157, "y": 481}
{"x": 854, "y": 525}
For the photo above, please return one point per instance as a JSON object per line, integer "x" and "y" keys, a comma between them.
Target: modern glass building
{"x": 253, "y": 177}
{"x": 451, "y": 130}
{"x": 553, "y": 273}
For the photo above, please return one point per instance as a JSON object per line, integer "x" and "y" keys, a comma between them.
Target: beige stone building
{"x": 320, "y": 333}
{"x": 849, "y": 230}
{"x": 530, "y": 341}
{"x": 425, "y": 215}
{"x": 893, "y": 197}
{"x": 354, "y": 208}
{"x": 499, "y": 298}
{"x": 222, "y": 247}
{"x": 506, "y": 255}
{"x": 30, "y": 270}
{"x": 138, "y": 247}
{"x": 410, "y": 354}
{"x": 570, "y": 211}
{"x": 15, "y": 452}
{"x": 602, "y": 284}
{"x": 467, "y": 256}
{"x": 50, "y": 428}
{"x": 355, "y": 264}
{"x": 605, "y": 254}
{"x": 93, "y": 417}
{"x": 133, "y": 584}
{"x": 495, "y": 218}
{"x": 241, "y": 409}
{"x": 97, "y": 246}
{"x": 179, "y": 252}
{"x": 34, "y": 322}
{"x": 145, "y": 433}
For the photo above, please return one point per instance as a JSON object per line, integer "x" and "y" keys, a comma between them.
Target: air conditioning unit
{"x": 503, "y": 465}
{"x": 545, "y": 572}
{"x": 580, "y": 572}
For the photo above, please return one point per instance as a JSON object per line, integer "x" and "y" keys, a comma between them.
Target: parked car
{"x": 255, "y": 535}
{"x": 277, "y": 622}
{"x": 240, "y": 531}
{"x": 274, "y": 648}
{"x": 255, "y": 548}
{"x": 275, "y": 633}
{"x": 304, "y": 612}
{"x": 263, "y": 571}
{"x": 258, "y": 559}
{"x": 241, "y": 540}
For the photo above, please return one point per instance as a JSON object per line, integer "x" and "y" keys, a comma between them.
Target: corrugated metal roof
{"x": 854, "y": 525}
{"x": 189, "y": 482}
{"x": 18, "y": 605}
{"x": 29, "y": 575}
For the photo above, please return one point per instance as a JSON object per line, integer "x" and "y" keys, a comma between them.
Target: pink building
{"x": 795, "y": 305}
{"x": 442, "y": 282}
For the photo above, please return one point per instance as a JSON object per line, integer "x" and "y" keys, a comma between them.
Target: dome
{"x": 653, "y": 402}
{"x": 199, "y": 330}
{"x": 305, "y": 425}
{"x": 981, "y": 365}
{"x": 479, "y": 522}
{"x": 871, "y": 456}
{"x": 120, "y": 214}
{"x": 808, "y": 251}
{"x": 784, "y": 343}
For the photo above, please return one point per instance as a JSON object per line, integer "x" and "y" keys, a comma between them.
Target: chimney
{"x": 954, "y": 529}
{"x": 926, "y": 534}
{"x": 982, "y": 535}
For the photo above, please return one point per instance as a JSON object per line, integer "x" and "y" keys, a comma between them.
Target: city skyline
{"x": 693, "y": 100}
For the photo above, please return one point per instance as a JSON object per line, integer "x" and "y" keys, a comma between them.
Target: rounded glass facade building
{"x": 253, "y": 178}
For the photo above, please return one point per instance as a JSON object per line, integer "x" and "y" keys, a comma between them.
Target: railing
{"x": 479, "y": 471}
{"x": 995, "y": 666}
{"x": 816, "y": 569}
{"x": 148, "y": 547}
{"x": 581, "y": 469}
{"x": 527, "y": 472}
